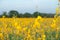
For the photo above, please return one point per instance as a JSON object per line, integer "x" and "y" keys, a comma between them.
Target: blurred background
{"x": 28, "y": 6}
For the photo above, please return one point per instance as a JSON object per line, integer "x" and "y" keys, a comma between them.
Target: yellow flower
{"x": 54, "y": 21}
{"x": 53, "y": 26}
{"x": 39, "y": 38}
{"x": 28, "y": 36}
{"x": 19, "y": 28}
{"x": 1, "y": 35}
{"x": 43, "y": 37}
{"x": 24, "y": 28}
{"x": 39, "y": 17}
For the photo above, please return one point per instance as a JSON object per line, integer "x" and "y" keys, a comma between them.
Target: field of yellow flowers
{"x": 30, "y": 28}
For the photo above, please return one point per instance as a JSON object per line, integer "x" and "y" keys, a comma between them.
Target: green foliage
{"x": 35, "y": 14}
{"x": 27, "y": 15}
{"x": 4, "y": 14}
{"x": 14, "y": 13}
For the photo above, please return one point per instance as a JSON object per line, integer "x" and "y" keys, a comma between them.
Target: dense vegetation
{"x": 15, "y": 13}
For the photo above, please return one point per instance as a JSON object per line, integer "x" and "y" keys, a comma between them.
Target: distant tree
{"x": 21, "y": 15}
{"x": 27, "y": 15}
{"x": 35, "y": 14}
{"x": 0, "y": 16}
{"x": 13, "y": 13}
{"x": 4, "y": 14}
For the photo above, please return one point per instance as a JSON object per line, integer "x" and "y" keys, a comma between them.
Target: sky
{"x": 22, "y": 6}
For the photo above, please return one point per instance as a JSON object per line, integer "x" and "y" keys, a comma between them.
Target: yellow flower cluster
{"x": 29, "y": 28}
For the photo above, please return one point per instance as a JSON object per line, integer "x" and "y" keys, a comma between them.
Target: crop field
{"x": 30, "y": 28}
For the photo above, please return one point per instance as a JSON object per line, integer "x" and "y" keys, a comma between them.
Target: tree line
{"x": 14, "y": 13}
